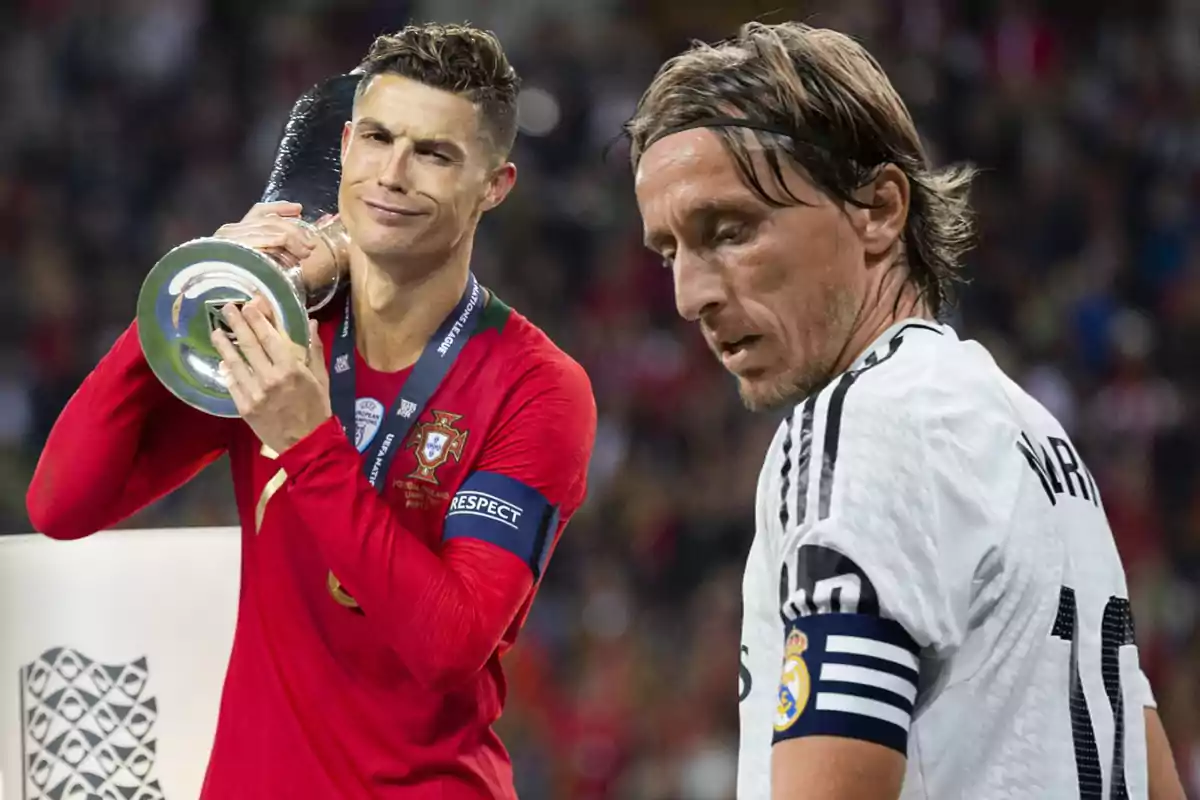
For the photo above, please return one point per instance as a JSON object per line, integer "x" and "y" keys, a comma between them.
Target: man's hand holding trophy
{"x": 279, "y": 387}
{"x": 284, "y": 260}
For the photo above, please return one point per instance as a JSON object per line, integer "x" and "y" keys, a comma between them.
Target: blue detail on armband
{"x": 850, "y": 675}
{"x": 505, "y": 512}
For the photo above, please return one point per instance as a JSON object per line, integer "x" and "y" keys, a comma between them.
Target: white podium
{"x": 112, "y": 655}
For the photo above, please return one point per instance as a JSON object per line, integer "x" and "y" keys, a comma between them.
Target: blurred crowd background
{"x": 132, "y": 125}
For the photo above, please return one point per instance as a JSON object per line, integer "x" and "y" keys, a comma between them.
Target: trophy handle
{"x": 320, "y": 276}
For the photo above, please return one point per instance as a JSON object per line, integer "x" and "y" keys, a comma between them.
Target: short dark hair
{"x": 454, "y": 58}
{"x": 817, "y": 97}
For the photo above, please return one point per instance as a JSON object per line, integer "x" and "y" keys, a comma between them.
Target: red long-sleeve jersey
{"x": 366, "y": 658}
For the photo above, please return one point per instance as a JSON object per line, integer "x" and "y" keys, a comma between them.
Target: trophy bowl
{"x": 180, "y": 305}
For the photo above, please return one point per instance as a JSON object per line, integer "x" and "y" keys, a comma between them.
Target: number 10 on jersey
{"x": 1116, "y": 631}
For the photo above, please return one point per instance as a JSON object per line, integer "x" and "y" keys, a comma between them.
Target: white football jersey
{"x": 933, "y": 571}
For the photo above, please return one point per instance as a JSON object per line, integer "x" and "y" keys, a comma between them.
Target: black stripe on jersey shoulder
{"x": 833, "y": 418}
{"x": 785, "y": 471}
{"x": 803, "y": 457}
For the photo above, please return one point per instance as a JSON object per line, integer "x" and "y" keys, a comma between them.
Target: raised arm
{"x": 124, "y": 440}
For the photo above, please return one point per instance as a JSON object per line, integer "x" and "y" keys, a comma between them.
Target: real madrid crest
{"x": 795, "y": 685}
{"x": 435, "y": 442}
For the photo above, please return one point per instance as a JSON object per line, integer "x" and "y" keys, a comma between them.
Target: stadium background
{"x": 131, "y": 125}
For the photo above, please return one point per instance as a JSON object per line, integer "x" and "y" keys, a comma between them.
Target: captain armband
{"x": 505, "y": 512}
{"x": 847, "y": 671}
{"x": 849, "y": 675}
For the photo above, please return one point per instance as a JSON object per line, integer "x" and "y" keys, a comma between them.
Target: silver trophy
{"x": 181, "y": 299}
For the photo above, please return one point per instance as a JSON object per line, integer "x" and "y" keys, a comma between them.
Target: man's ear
{"x": 882, "y": 222}
{"x": 502, "y": 181}
{"x": 347, "y": 129}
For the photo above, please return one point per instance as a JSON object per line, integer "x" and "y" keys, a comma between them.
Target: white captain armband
{"x": 505, "y": 512}
{"x": 849, "y": 675}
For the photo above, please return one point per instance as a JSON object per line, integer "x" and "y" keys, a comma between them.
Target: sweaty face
{"x": 415, "y": 169}
{"x": 775, "y": 291}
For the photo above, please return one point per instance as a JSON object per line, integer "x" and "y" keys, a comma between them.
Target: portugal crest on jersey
{"x": 435, "y": 442}
{"x": 795, "y": 684}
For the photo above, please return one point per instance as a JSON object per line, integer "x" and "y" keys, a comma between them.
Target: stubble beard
{"x": 786, "y": 390}
{"x": 794, "y": 385}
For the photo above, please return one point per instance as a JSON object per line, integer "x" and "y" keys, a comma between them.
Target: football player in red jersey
{"x": 400, "y": 485}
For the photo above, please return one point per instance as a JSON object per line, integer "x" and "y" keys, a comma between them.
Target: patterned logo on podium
{"x": 88, "y": 729}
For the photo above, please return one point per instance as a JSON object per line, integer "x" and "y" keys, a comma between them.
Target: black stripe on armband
{"x": 849, "y": 675}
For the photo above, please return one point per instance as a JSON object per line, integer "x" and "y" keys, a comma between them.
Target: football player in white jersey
{"x": 933, "y": 603}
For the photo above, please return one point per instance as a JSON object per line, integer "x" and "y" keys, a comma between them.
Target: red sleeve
{"x": 122, "y": 442}
{"x": 447, "y": 611}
